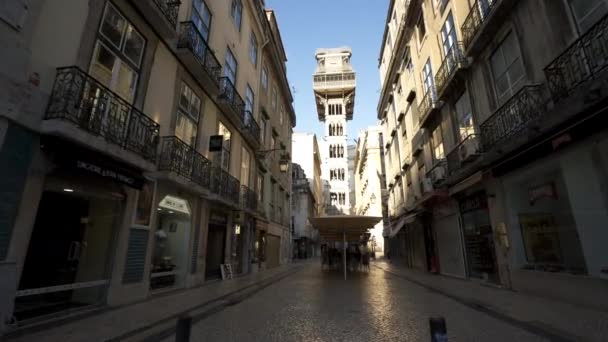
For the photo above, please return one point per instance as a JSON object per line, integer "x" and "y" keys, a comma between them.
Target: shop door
{"x": 449, "y": 246}
{"x": 273, "y": 247}
{"x": 216, "y": 241}
{"x": 66, "y": 265}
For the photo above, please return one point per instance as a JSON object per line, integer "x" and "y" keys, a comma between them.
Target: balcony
{"x": 177, "y": 157}
{"x": 232, "y": 102}
{"x": 195, "y": 53}
{"x": 162, "y": 14}
{"x": 334, "y": 82}
{"x": 517, "y": 114}
{"x": 449, "y": 75}
{"x": 83, "y": 101}
{"x": 482, "y": 22}
{"x": 249, "y": 199}
{"x": 586, "y": 59}
{"x": 225, "y": 185}
{"x": 464, "y": 153}
{"x": 428, "y": 106}
{"x": 251, "y": 129}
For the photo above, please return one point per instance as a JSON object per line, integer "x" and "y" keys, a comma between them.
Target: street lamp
{"x": 283, "y": 161}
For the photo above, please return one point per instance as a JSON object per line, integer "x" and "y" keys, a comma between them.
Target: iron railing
{"x": 229, "y": 94}
{"x": 584, "y": 60}
{"x": 251, "y": 126}
{"x": 453, "y": 60}
{"x": 476, "y": 17}
{"x": 512, "y": 117}
{"x": 457, "y": 157}
{"x": 249, "y": 198}
{"x": 224, "y": 185}
{"x": 429, "y": 101}
{"x": 190, "y": 38}
{"x": 170, "y": 9}
{"x": 79, "y": 98}
{"x": 177, "y": 156}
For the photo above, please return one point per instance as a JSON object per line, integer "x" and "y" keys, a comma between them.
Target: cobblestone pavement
{"x": 315, "y": 305}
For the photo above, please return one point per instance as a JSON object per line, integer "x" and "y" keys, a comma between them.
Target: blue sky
{"x": 310, "y": 24}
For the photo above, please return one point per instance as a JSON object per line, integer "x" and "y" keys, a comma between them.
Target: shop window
{"x": 507, "y": 68}
{"x": 171, "y": 243}
{"x": 188, "y": 111}
{"x": 201, "y": 16}
{"x": 225, "y": 155}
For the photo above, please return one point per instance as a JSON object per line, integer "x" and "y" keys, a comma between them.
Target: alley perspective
{"x": 303, "y": 170}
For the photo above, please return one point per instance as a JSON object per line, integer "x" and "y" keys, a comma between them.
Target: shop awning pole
{"x": 344, "y": 250}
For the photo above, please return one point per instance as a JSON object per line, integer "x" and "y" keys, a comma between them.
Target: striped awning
{"x": 349, "y": 227}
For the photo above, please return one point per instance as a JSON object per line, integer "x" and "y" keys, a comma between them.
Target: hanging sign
{"x": 175, "y": 204}
{"x": 215, "y": 143}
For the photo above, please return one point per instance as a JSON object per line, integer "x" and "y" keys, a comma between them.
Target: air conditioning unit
{"x": 438, "y": 173}
{"x": 469, "y": 149}
{"x": 427, "y": 185}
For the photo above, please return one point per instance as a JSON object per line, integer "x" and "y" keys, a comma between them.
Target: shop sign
{"x": 540, "y": 192}
{"x": 475, "y": 202}
{"x": 215, "y": 143}
{"x": 216, "y": 218}
{"x": 176, "y": 204}
{"x": 108, "y": 173}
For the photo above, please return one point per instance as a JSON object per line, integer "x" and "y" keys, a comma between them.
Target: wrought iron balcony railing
{"x": 79, "y": 98}
{"x": 251, "y": 126}
{"x": 229, "y": 94}
{"x": 515, "y": 115}
{"x": 176, "y": 156}
{"x": 474, "y": 20}
{"x": 453, "y": 60}
{"x": 190, "y": 38}
{"x": 249, "y": 198}
{"x": 466, "y": 151}
{"x": 225, "y": 185}
{"x": 582, "y": 61}
{"x": 170, "y": 9}
{"x": 428, "y": 104}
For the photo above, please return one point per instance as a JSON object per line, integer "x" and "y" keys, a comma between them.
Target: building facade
{"x": 334, "y": 89}
{"x": 307, "y": 154}
{"x": 304, "y": 206}
{"x": 137, "y": 136}
{"x": 368, "y": 177}
{"x": 495, "y": 142}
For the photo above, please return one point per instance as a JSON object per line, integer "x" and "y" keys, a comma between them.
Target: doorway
{"x": 67, "y": 261}
{"x": 216, "y": 241}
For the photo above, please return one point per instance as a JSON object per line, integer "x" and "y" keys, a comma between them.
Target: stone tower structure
{"x": 334, "y": 87}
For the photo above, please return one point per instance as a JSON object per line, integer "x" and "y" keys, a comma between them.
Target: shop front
{"x": 172, "y": 239}
{"x": 478, "y": 237}
{"x": 216, "y": 244}
{"x": 69, "y": 261}
{"x": 446, "y": 224}
{"x": 259, "y": 246}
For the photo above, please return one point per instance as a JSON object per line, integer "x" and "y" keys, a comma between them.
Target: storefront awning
{"x": 401, "y": 222}
{"x": 349, "y": 227}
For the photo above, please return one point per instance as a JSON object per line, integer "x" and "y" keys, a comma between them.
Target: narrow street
{"x": 315, "y": 305}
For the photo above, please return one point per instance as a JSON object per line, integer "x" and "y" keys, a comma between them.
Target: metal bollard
{"x": 182, "y": 331}
{"x": 439, "y": 331}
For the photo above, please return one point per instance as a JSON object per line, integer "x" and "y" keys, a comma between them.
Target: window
{"x": 245, "y": 163}
{"x": 236, "y": 12}
{"x": 274, "y": 98}
{"x": 464, "y": 116}
{"x": 421, "y": 27}
{"x": 448, "y": 35}
{"x": 14, "y": 12}
{"x": 253, "y": 49}
{"x": 428, "y": 82}
{"x": 225, "y": 155}
{"x": 507, "y": 68}
{"x": 118, "y": 53}
{"x": 260, "y": 187}
{"x": 230, "y": 67}
{"x": 263, "y": 125}
{"x": 249, "y": 99}
{"x": 588, "y": 12}
{"x": 281, "y": 114}
{"x": 437, "y": 144}
{"x": 264, "y": 78}
{"x": 421, "y": 174}
{"x": 188, "y": 109}
{"x": 201, "y": 17}
{"x": 389, "y": 41}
